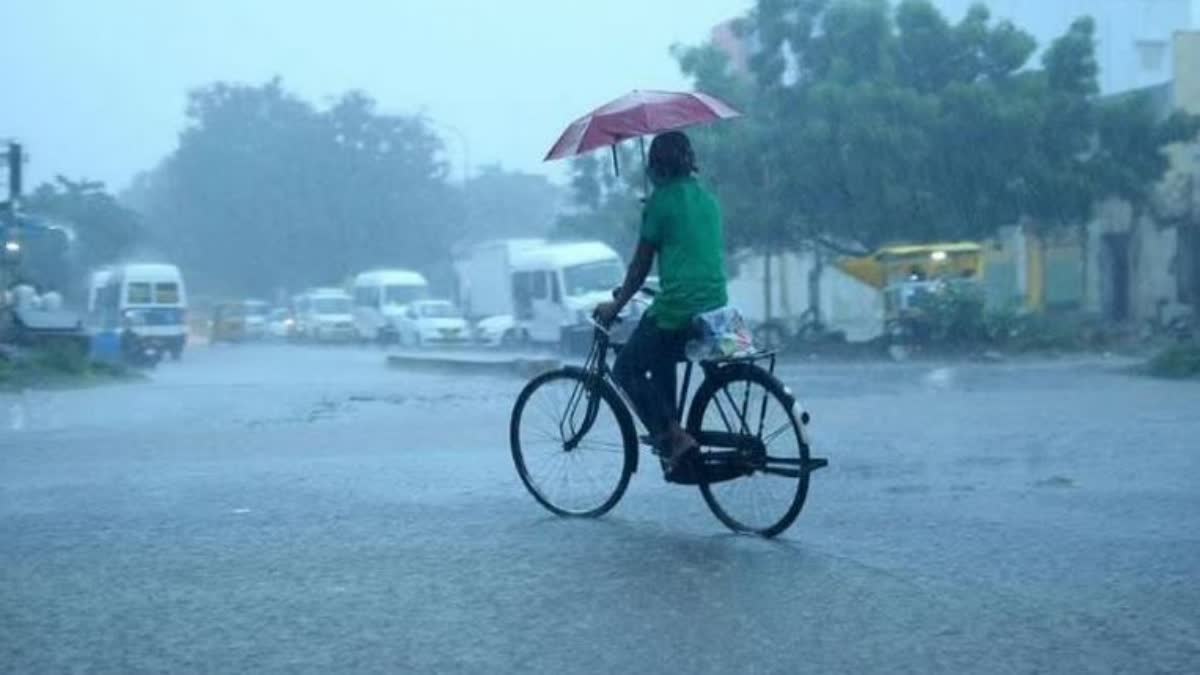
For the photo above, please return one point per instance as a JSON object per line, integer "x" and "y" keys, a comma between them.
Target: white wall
{"x": 1152, "y": 273}
{"x": 847, "y": 304}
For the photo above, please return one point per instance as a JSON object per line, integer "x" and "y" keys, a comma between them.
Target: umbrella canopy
{"x": 638, "y": 114}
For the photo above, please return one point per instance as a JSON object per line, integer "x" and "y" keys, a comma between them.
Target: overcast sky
{"x": 97, "y": 89}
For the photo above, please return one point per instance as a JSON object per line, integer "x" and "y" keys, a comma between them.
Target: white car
{"x": 326, "y": 316}
{"x": 280, "y": 324}
{"x": 500, "y": 331}
{"x": 432, "y": 322}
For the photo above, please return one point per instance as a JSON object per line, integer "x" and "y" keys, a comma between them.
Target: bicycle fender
{"x": 621, "y": 410}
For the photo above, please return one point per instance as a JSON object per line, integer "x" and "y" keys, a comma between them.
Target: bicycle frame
{"x": 596, "y": 365}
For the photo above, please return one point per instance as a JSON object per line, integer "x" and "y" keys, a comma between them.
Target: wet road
{"x": 300, "y": 509}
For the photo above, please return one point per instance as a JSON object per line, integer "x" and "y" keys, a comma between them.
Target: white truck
{"x": 530, "y": 290}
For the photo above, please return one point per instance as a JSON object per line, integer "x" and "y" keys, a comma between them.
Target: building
{"x": 1146, "y": 266}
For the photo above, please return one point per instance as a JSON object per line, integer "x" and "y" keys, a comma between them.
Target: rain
{"x": 723, "y": 336}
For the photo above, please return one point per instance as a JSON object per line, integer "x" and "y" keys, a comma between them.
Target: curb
{"x": 525, "y": 367}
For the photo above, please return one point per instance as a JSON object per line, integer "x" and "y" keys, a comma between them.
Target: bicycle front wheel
{"x": 573, "y": 443}
{"x": 754, "y": 453}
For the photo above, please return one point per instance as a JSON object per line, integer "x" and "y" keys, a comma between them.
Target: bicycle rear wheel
{"x": 573, "y": 443}
{"x": 762, "y": 459}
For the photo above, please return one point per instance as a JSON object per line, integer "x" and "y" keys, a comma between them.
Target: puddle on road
{"x": 17, "y": 413}
{"x": 1055, "y": 482}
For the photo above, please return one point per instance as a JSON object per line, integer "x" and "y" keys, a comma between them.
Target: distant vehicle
{"x": 326, "y": 315}
{"x": 498, "y": 331}
{"x": 256, "y": 318}
{"x": 239, "y": 321}
{"x": 529, "y": 290}
{"x": 380, "y": 298}
{"x": 148, "y": 299}
{"x": 556, "y": 287}
{"x": 484, "y": 276}
{"x": 97, "y": 281}
{"x": 280, "y": 324}
{"x": 429, "y": 322}
{"x": 228, "y": 322}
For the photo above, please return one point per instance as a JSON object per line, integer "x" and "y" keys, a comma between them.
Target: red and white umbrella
{"x": 638, "y": 114}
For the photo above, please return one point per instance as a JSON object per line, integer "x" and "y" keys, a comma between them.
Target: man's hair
{"x": 671, "y": 156}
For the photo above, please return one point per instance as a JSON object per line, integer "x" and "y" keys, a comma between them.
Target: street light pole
{"x": 464, "y": 144}
{"x": 9, "y": 223}
{"x": 466, "y": 167}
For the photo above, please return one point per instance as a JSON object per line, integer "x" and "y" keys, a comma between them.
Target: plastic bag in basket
{"x": 721, "y": 333}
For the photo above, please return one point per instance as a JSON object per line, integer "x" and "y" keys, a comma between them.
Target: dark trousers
{"x": 645, "y": 371}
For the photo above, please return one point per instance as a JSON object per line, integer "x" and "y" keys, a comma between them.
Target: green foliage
{"x": 62, "y": 357}
{"x": 104, "y": 230}
{"x": 267, "y": 192}
{"x": 605, "y": 206}
{"x": 1039, "y": 332}
{"x": 58, "y": 363}
{"x": 956, "y": 315}
{"x": 1177, "y": 362}
{"x": 504, "y": 203}
{"x": 868, "y": 124}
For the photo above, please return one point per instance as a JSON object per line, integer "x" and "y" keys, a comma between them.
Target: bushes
{"x": 955, "y": 318}
{"x": 1044, "y": 332}
{"x": 62, "y": 357}
{"x": 57, "y": 363}
{"x": 1177, "y": 362}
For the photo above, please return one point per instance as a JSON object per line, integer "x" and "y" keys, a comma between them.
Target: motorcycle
{"x": 139, "y": 352}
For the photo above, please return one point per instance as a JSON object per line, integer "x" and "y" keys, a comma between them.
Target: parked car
{"x": 499, "y": 331}
{"x": 256, "y": 318}
{"x": 326, "y": 315}
{"x": 432, "y": 322}
{"x": 280, "y": 324}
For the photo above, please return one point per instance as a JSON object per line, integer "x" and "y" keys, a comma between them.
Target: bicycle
{"x": 582, "y": 421}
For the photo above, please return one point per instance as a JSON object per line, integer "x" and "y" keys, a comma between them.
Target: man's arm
{"x": 635, "y": 276}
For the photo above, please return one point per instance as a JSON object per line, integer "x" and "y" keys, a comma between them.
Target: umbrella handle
{"x": 616, "y": 166}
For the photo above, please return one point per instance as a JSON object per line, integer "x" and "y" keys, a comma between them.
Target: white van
{"x": 325, "y": 315}
{"x": 147, "y": 298}
{"x": 96, "y": 283}
{"x": 380, "y": 298}
{"x": 556, "y": 287}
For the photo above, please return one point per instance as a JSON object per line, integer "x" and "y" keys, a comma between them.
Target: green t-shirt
{"x": 683, "y": 221}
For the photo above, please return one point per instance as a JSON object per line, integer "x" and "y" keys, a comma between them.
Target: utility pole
{"x": 10, "y": 226}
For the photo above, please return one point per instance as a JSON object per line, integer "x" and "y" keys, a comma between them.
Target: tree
{"x": 76, "y": 226}
{"x": 604, "y": 205}
{"x": 868, "y": 124}
{"x": 504, "y": 204}
{"x": 266, "y": 192}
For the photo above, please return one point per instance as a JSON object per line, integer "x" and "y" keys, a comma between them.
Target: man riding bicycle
{"x": 681, "y": 228}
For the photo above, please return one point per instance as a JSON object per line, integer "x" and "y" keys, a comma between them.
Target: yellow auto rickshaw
{"x": 228, "y": 322}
